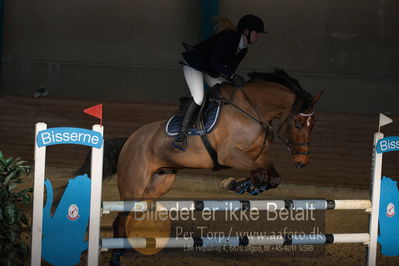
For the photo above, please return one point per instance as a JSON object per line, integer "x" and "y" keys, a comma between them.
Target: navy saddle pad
{"x": 210, "y": 114}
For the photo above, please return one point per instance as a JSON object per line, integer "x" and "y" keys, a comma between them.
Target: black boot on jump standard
{"x": 180, "y": 141}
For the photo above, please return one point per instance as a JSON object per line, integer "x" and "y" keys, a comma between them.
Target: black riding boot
{"x": 180, "y": 141}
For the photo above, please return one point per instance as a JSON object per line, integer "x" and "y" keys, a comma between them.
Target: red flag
{"x": 96, "y": 111}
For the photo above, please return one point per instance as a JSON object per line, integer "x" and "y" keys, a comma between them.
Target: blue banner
{"x": 388, "y": 144}
{"x": 64, "y": 231}
{"x": 69, "y": 135}
{"x": 389, "y": 218}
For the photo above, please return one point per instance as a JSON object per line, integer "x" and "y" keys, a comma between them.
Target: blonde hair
{"x": 223, "y": 23}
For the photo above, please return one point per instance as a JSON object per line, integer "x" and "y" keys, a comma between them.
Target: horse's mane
{"x": 303, "y": 98}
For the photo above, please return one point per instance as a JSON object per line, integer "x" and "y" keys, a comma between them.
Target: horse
{"x": 146, "y": 162}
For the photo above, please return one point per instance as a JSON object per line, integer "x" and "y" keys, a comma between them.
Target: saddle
{"x": 205, "y": 122}
{"x": 209, "y": 113}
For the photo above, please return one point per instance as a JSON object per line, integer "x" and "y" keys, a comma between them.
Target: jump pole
{"x": 375, "y": 201}
{"x": 175, "y": 242}
{"x": 38, "y": 198}
{"x": 95, "y": 201}
{"x": 234, "y": 205}
{"x": 375, "y": 192}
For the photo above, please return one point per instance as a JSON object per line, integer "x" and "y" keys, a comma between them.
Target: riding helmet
{"x": 251, "y": 22}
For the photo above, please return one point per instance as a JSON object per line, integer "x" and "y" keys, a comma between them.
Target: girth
{"x": 208, "y": 146}
{"x": 215, "y": 95}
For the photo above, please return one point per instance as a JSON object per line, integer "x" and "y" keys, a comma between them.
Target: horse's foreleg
{"x": 237, "y": 159}
{"x": 273, "y": 177}
{"x": 241, "y": 161}
{"x": 264, "y": 177}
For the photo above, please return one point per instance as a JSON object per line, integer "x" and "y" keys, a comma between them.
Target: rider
{"x": 216, "y": 60}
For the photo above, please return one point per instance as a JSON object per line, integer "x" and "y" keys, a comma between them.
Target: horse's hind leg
{"x": 119, "y": 232}
{"x": 132, "y": 184}
{"x": 160, "y": 185}
{"x": 157, "y": 185}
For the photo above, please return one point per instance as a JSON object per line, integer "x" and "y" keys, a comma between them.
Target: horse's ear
{"x": 316, "y": 98}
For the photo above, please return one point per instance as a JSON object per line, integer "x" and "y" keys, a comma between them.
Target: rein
{"x": 230, "y": 101}
{"x": 266, "y": 125}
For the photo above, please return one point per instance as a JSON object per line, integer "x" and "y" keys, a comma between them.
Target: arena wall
{"x": 341, "y": 143}
{"x": 129, "y": 50}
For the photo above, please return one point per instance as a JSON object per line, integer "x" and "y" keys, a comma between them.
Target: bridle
{"x": 267, "y": 125}
{"x": 288, "y": 143}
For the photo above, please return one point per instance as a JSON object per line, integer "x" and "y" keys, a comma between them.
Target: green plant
{"x": 13, "y": 251}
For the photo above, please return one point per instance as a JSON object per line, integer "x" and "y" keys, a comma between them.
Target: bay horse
{"x": 147, "y": 163}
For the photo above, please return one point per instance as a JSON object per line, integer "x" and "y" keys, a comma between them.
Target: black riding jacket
{"x": 218, "y": 55}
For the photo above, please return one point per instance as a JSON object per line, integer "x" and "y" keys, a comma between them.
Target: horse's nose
{"x": 299, "y": 165}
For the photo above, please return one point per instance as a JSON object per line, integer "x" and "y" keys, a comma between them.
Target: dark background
{"x": 129, "y": 49}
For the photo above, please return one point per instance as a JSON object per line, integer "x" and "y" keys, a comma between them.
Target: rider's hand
{"x": 238, "y": 81}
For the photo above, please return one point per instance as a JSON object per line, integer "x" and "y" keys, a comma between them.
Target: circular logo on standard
{"x": 73, "y": 212}
{"x": 390, "y": 210}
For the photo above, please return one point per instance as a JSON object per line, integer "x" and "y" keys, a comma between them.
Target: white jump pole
{"x": 175, "y": 242}
{"x": 233, "y": 205}
{"x": 375, "y": 201}
{"x": 375, "y": 192}
{"x": 95, "y": 201}
{"x": 38, "y": 198}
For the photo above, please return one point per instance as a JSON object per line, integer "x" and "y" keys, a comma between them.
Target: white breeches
{"x": 195, "y": 82}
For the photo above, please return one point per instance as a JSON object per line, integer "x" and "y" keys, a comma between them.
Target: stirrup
{"x": 180, "y": 142}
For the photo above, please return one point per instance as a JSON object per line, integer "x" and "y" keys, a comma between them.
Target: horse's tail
{"x": 112, "y": 148}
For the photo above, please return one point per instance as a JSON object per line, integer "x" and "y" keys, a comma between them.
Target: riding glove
{"x": 238, "y": 81}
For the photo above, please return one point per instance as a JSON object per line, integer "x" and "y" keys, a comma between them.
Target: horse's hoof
{"x": 274, "y": 182}
{"x": 115, "y": 262}
{"x": 262, "y": 188}
{"x": 253, "y": 192}
{"x": 242, "y": 186}
{"x": 228, "y": 183}
{"x": 116, "y": 258}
